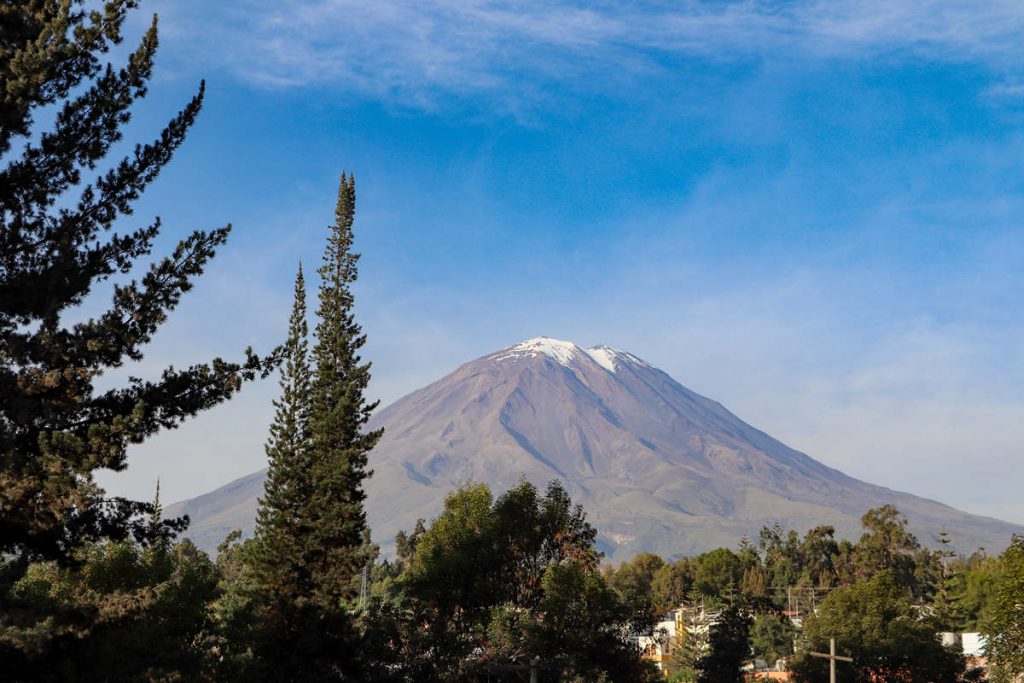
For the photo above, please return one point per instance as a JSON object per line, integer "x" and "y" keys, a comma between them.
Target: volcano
{"x": 657, "y": 467}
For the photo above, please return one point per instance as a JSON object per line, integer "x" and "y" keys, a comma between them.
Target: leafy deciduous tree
{"x": 876, "y": 621}
{"x": 1005, "y": 629}
{"x": 124, "y": 612}
{"x": 494, "y": 583}
{"x": 771, "y": 637}
{"x": 887, "y": 545}
{"x": 718, "y": 573}
{"x": 671, "y": 584}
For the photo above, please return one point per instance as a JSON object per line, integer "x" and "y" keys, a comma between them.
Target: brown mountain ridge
{"x": 657, "y": 467}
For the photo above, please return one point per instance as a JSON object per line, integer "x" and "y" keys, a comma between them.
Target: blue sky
{"x": 810, "y": 211}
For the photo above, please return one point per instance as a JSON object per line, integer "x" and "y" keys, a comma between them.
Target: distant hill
{"x": 657, "y": 467}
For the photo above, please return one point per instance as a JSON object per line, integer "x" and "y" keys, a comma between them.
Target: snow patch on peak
{"x": 609, "y": 358}
{"x": 635, "y": 360}
{"x": 561, "y": 351}
{"x": 566, "y": 353}
{"x": 603, "y": 356}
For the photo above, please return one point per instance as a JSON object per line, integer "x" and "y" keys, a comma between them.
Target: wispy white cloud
{"x": 813, "y": 355}
{"x": 1012, "y": 89}
{"x": 419, "y": 51}
{"x": 848, "y": 361}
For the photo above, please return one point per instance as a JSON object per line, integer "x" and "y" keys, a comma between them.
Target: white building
{"x": 971, "y": 644}
{"x": 686, "y": 624}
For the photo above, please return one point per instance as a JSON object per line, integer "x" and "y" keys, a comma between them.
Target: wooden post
{"x": 832, "y": 658}
{"x": 534, "y": 663}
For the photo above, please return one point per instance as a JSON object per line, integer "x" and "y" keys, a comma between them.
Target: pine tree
{"x": 312, "y": 542}
{"x": 947, "y": 593}
{"x": 728, "y": 647}
{"x": 57, "y": 215}
{"x": 280, "y": 525}
{"x": 339, "y": 413}
{"x": 158, "y": 537}
{"x": 277, "y": 625}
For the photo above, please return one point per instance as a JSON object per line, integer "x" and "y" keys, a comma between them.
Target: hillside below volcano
{"x": 657, "y": 467}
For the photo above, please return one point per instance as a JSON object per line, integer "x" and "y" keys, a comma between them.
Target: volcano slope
{"x": 657, "y": 467}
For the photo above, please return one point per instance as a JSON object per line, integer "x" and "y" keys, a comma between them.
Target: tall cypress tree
{"x": 310, "y": 543}
{"x": 340, "y": 411}
{"x": 280, "y": 524}
{"x": 948, "y": 613}
{"x": 56, "y": 244}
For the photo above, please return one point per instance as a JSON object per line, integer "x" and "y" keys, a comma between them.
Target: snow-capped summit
{"x": 563, "y": 352}
{"x": 567, "y": 353}
{"x": 657, "y": 467}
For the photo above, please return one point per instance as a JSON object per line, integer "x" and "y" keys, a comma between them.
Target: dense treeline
{"x": 495, "y": 585}
{"x": 493, "y": 589}
{"x": 885, "y": 597}
{"x": 788, "y": 571}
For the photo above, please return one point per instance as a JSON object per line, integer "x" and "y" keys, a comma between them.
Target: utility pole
{"x": 832, "y": 658}
{"x": 364, "y": 588}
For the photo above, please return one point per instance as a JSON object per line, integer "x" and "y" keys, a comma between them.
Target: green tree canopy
{"x": 771, "y": 637}
{"x": 977, "y": 576}
{"x": 279, "y": 522}
{"x": 298, "y": 580}
{"x": 493, "y": 583}
{"x": 671, "y": 585}
{"x": 718, "y": 573}
{"x": 1005, "y": 628}
{"x": 728, "y": 647}
{"x": 333, "y": 542}
{"x": 633, "y": 581}
{"x": 57, "y": 243}
{"x": 782, "y": 556}
{"x": 818, "y": 551}
{"x": 887, "y": 545}
{"x": 876, "y": 623}
{"x": 147, "y": 607}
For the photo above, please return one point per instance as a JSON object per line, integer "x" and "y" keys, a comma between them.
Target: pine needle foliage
{"x": 58, "y": 210}
{"x": 310, "y": 546}
{"x": 339, "y": 413}
{"x": 280, "y": 526}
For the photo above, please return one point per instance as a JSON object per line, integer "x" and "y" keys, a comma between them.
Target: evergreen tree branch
{"x": 46, "y": 49}
{"x": 61, "y": 254}
{"x": 85, "y": 129}
{"x": 55, "y": 431}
